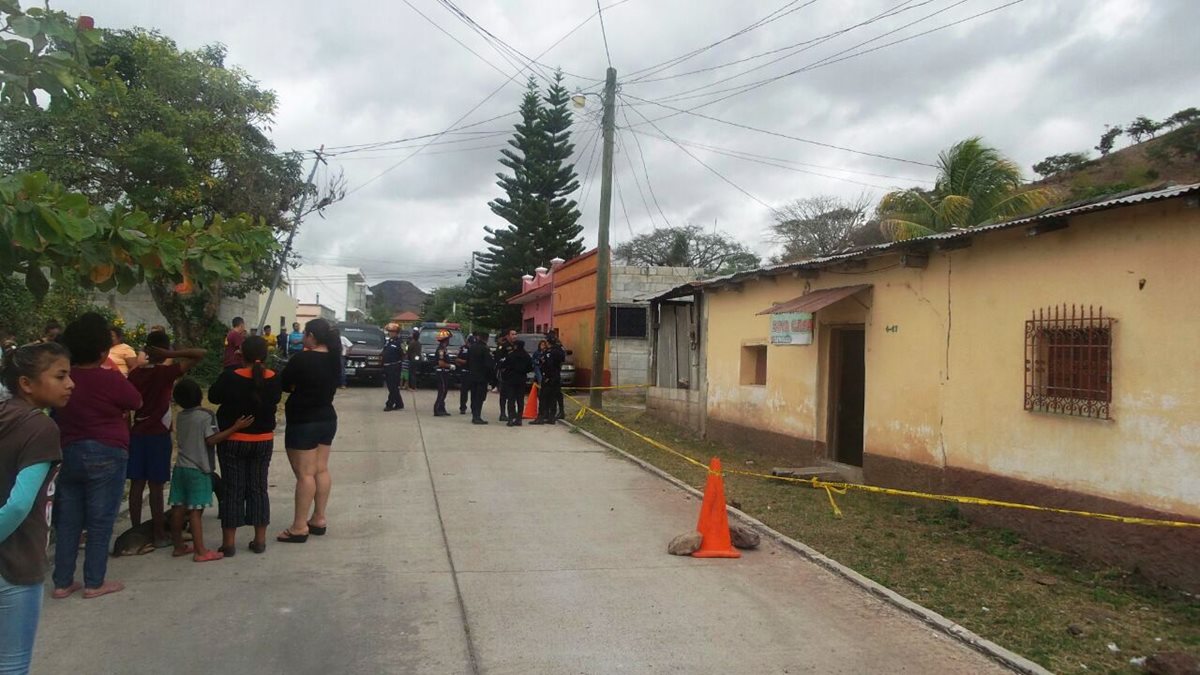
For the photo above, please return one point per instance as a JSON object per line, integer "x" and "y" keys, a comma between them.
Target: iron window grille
{"x": 1068, "y": 361}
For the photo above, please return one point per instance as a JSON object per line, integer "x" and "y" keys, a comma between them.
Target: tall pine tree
{"x": 541, "y": 219}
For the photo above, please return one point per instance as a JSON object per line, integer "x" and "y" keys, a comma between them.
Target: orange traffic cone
{"x": 714, "y": 521}
{"x": 531, "y": 404}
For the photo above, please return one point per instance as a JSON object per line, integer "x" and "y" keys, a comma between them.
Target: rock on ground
{"x": 684, "y": 544}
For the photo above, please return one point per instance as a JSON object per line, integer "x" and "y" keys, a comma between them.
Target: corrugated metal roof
{"x": 811, "y": 302}
{"x": 964, "y": 233}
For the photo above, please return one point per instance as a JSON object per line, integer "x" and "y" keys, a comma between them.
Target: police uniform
{"x": 464, "y": 375}
{"x": 502, "y": 352}
{"x": 548, "y": 399}
{"x": 393, "y": 355}
{"x": 443, "y": 364}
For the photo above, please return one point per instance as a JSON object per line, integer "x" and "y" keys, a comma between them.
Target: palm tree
{"x": 976, "y": 185}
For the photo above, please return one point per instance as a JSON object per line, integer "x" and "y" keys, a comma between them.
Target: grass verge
{"x": 1057, "y": 610}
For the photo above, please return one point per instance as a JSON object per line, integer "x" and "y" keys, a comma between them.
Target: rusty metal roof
{"x": 861, "y": 253}
{"x": 811, "y": 302}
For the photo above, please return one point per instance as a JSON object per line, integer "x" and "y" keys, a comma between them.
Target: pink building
{"x": 537, "y": 298}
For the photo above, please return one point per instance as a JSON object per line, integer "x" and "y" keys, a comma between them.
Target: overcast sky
{"x": 1036, "y": 78}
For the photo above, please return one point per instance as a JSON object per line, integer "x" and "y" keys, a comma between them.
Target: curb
{"x": 1007, "y": 658}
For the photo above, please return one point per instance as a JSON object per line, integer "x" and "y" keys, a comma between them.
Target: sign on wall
{"x": 792, "y": 328}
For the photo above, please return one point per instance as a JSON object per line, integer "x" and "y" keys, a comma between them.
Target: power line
{"x": 739, "y": 125}
{"x": 636, "y": 182}
{"x": 604, "y": 32}
{"x": 638, "y": 142}
{"x": 702, "y": 162}
{"x": 621, "y": 199}
{"x": 670, "y": 63}
{"x": 830, "y": 60}
{"x": 469, "y": 112}
{"x": 453, "y": 131}
{"x": 799, "y": 47}
{"x": 741, "y": 154}
{"x": 589, "y": 170}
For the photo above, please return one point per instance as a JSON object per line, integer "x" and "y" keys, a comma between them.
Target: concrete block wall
{"x": 629, "y": 283}
{"x": 681, "y": 407}
{"x": 629, "y": 360}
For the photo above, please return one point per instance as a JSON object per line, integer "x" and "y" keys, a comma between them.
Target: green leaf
{"x": 36, "y": 282}
{"x": 25, "y": 26}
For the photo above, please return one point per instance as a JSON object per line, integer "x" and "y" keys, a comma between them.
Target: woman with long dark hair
{"x": 37, "y": 376}
{"x": 312, "y": 379}
{"x": 95, "y": 437}
{"x": 250, "y": 391}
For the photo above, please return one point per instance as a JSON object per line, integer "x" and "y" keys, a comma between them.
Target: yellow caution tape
{"x": 842, "y": 488}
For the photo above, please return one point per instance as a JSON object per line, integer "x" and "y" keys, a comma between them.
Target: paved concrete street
{"x": 455, "y": 548}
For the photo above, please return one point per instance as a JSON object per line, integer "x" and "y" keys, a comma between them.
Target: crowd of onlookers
{"x": 82, "y": 412}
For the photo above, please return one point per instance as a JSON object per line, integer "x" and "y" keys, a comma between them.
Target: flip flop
{"x": 63, "y": 593}
{"x": 317, "y": 530}
{"x": 106, "y": 588}
{"x": 187, "y": 548}
{"x": 288, "y": 537}
{"x": 208, "y": 556}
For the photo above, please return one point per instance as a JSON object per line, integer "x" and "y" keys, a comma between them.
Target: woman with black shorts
{"x": 312, "y": 379}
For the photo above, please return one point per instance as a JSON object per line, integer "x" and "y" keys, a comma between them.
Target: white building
{"x": 341, "y": 289}
{"x": 137, "y": 306}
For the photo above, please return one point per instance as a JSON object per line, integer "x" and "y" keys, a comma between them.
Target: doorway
{"x": 847, "y": 391}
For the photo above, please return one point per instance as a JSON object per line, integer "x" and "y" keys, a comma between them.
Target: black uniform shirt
{"x": 552, "y": 363}
{"x": 393, "y": 351}
{"x": 440, "y": 356}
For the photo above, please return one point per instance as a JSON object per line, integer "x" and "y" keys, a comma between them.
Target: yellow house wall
{"x": 958, "y": 402}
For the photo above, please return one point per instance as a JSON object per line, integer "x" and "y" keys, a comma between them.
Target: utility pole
{"x": 600, "y": 334}
{"x": 287, "y": 248}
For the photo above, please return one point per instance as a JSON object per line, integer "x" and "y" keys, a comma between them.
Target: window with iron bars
{"x": 1068, "y": 361}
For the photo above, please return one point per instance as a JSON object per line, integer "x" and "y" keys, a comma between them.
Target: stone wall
{"x": 637, "y": 284}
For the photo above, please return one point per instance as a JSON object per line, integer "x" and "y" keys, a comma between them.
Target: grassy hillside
{"x": 1172, "y": 157}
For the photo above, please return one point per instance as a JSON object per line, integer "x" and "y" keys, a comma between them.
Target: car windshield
{"x": 363, "y": 336}
{"x": 429, "y": 337}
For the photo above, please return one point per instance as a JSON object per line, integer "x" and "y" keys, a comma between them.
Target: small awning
{"x": 811, "y": 302}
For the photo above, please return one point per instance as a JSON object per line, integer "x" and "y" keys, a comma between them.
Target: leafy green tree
{"x": 541, "y": 220}
{"x": 1142, "y": 127}
{"x": 687, "y": 246}
{"x": 1109, "y": 138}
{"x": 173, "y": 143}
{"x": 1056, "y": 164}
{"x": 43, "y": 50}
{"x": 448, "y": 303}
{"x": 1182, "y": 118}
{"x": 976, "y": 185}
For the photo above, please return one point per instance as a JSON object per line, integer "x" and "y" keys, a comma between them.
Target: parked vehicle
{"x": 423, "y": 369}
{"x": 364, "y": 356}
{"x": 531, "y": 341}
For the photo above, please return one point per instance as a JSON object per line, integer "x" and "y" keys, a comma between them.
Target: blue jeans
{"x": 90, "y": 486}
{"x": 20, "y": 606}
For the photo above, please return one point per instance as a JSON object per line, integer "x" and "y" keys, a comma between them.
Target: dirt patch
{"x": 1062, "y": 612}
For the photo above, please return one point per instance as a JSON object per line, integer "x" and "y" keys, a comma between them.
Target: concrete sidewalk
{"x": 455, "y": 548}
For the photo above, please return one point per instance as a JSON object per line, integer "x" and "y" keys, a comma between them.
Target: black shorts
{"x": 308, "y": 435}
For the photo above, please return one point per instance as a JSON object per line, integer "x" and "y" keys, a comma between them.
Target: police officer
{"x": 551, "y": 381}
{"x": 443, "y": 364}
{"x": 464, "y": 374}
{"x": 482, "y": 369}
{"x": 504, "y": 346}
{"x": 393, "y": 355}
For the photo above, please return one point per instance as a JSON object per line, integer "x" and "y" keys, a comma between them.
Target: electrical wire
{"x": 638, "y": 142}
{"x": 740, "y": 154}
{"x": 638, "y": 184}
{"x": 604, "y": 32}
{"x": 621, "y": 200}
{"x": 703, "y": 163}
{"x": 469, "y": 112}
{"x": 778, "y": 134}
{"x": 799, "y": 47}
{"x": 671, "y": 63}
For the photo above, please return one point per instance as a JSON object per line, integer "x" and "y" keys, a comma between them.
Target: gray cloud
{"x": 1034, "y": 79}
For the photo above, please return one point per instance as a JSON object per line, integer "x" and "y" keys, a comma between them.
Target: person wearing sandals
{"x": 94, "y": 426}
{"x": 36, "y": 376}
{"x": 250, "y": 391}
{"x": 196, "y": 431}
{"x": 311, "y": 377}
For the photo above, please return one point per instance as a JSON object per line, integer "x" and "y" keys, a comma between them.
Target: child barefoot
{"x": 191, "y": 482}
